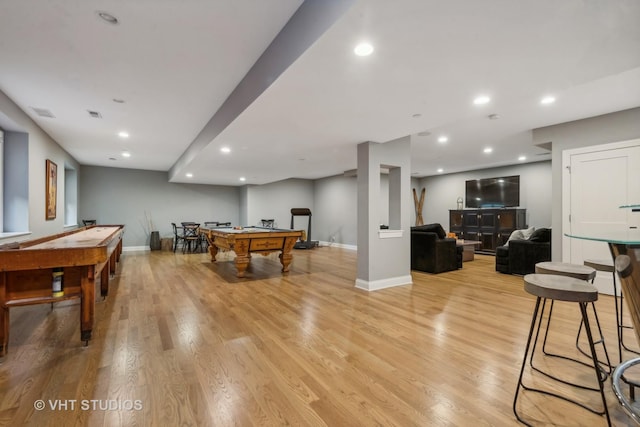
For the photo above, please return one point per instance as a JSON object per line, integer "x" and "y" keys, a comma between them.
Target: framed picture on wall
{"x": 51, "y": 189}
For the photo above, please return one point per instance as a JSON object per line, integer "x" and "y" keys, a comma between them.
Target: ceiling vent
{"x": 43, "y": 112}
{"x": 94, "y": 114}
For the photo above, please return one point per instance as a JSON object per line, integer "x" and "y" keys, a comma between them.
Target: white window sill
{"x": 12, "y": 234}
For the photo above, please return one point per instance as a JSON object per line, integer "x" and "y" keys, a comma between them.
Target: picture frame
{"x": 51, "y": 186}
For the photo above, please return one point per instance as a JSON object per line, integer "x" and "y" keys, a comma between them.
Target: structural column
{"x": 384, "y": 257}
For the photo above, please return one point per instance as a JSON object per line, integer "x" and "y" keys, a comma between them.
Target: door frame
{"x": 566, "y": 188}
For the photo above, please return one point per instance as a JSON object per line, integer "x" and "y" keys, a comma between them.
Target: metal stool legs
{"x": 605, "y": 366}
{"x": 537, "y": 318}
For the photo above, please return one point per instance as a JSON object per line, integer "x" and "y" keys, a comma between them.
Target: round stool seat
{"x": 561, "y": 288}
{"x": 576, "y": 271}
{"x": 600, "y": 264}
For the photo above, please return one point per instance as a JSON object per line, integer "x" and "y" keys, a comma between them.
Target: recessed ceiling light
{"x": 363, "y": 49}
{"x": 440, "y": 170}
{"x": 126, "y": 154}
{"x": 225, "y": 149}
{"x": 522, "y": 158}
{"x": 548, "y": 100}
{"x": 123, "y": 134}
{"x": 481, "y": 100}
{"x": 242, "y": 178}
{"x": 488, "y": 150}
{"x": 188, "y": 175}
{"x": 443, "y": 139}
{"x": 107, "y": 17}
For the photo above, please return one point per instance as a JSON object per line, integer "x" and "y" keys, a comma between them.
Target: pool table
{"x": 248, "y": 240}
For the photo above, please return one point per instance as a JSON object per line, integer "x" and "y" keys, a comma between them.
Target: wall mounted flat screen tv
{"x": 493, "y": 192}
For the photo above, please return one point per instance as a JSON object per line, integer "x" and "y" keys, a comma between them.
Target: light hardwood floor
{"x": 187, "y": 343}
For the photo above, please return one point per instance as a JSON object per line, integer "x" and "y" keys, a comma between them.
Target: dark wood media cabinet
{"x": 491, "y": 226}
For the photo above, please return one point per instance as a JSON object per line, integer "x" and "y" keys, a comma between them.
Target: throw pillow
{"x": 515, "y": 235}
{"x": 541, "y": 235}
{"x": 528, "y": 233}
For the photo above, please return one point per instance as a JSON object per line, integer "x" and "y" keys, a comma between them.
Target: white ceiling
{"x": 308, "y": 100}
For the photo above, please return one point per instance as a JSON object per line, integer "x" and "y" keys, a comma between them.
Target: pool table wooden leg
{"x": 4, "y": 315}
{"x": 104, "y": 279}
{"x": 286, "y": 256}
{"x": 88, "y": 302}
{"x": 4, "y": 330}
{"x": 213, "y": 250}
{"x": 243, "y": 257}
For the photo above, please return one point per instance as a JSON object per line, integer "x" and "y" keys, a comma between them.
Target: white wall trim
{"x": 375, "y": 285}
{"x": 135, "y": 248}
{"x": 389, "y": 234}
{"x": 339, "y": 245}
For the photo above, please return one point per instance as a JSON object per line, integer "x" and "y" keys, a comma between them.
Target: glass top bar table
{"x": 627, "y": 243}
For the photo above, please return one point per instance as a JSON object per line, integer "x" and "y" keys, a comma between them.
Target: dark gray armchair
{"x": 521, "y": 256}
{"x": 432, "y": 252}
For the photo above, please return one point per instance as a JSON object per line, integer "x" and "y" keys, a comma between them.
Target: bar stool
{"x": 607, "y": 266}
{"x": 568, "y": 289}
{"x": 580, "y": 272}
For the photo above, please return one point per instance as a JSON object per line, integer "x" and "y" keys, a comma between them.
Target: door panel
{"x": 601, "y": 181}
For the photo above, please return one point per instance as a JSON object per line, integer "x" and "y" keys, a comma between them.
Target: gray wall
{"x": 335, "y": 210}
{"x": 442, "y": 191}
{"x": 124, "y": 196}
{"x": 333, "y": 200}
{"x": 336, "y": 207}
{"x": 275, "y": 200}
{"x": 608, "y": 128}
{"x": 40, "y": 148}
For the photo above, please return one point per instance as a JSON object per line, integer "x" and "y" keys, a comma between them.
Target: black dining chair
{"x": 178, "y": 236}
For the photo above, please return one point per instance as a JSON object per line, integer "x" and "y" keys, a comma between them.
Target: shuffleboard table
{"x": 248, "y": 240}
{"x": 27, "y": 270}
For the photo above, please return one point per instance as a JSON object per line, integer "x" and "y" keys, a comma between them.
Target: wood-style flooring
{"x": 181, "y": 341}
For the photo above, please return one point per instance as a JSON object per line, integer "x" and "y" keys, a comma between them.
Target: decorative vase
{"x": 154, "y": 241}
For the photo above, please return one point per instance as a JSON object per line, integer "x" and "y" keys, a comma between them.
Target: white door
{"x": 601, "y": 181}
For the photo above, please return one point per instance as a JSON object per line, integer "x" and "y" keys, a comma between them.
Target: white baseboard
{"x": 375, "y": 285}
{"x": 135, "y": 248}
{"x": 338, "y": 245}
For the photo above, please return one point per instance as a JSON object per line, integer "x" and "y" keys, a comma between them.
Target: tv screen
{"x": 493, "y": 192}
